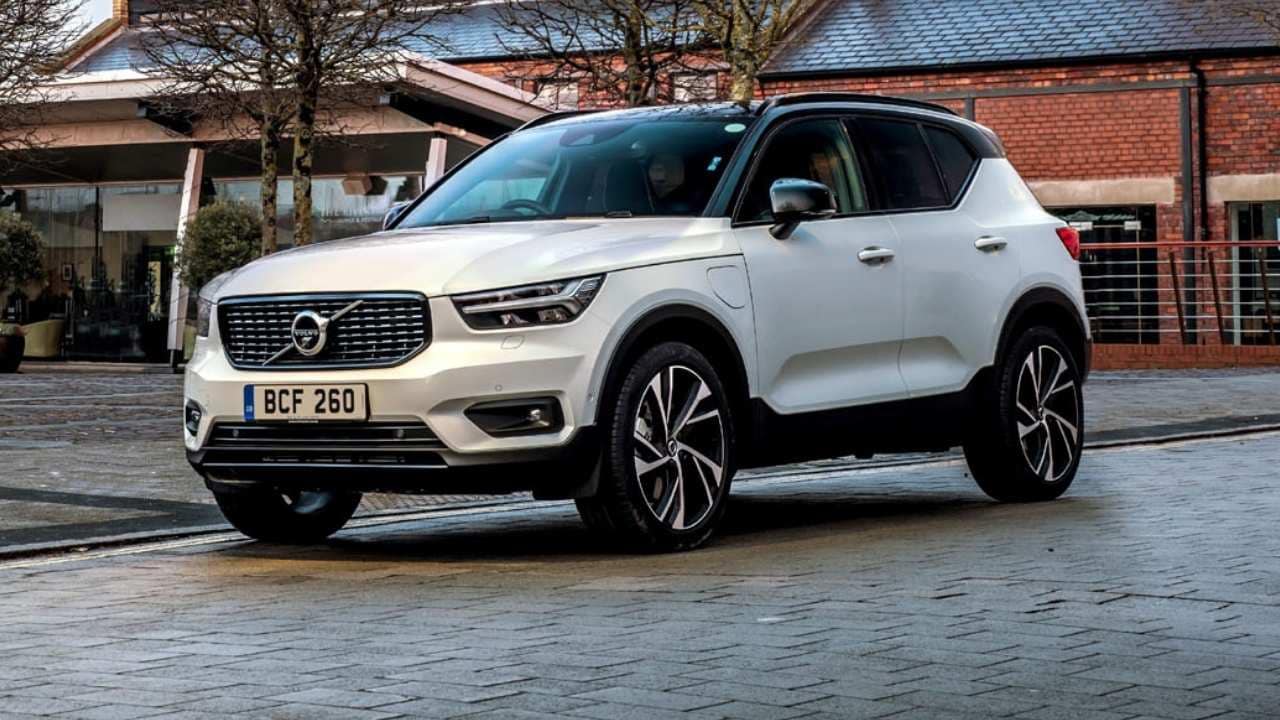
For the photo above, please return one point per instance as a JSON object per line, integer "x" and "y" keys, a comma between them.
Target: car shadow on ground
{"x": 756, "y": 516}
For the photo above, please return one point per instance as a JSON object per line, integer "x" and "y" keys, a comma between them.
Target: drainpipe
{"x": 1200, "y": 231}
{"x": 1202, "y": 124}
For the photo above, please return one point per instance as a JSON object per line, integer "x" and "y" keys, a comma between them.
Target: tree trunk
{"x": 303, "y": 160}
{"x": 743, "y": 86}
{"x": 632, "y": 48}
{"x": 270, "y": 139}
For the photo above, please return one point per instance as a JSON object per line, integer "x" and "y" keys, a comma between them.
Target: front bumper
{"x": 567, "y": 471}
{"x": 432, "y": 390}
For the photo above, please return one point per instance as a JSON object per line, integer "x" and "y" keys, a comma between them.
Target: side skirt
{"x": 925, "y": 424}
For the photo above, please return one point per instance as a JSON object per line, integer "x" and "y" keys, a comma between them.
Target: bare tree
{"x": 340, "y": 48}
{"x": 227, "y": 60}
{"x": 748, "y": 33}
{"x": 284, "y": 64}
{"x": 1263, "y": 12}
{"x": 626, "y": 52}
{"x": 33, "y": 36}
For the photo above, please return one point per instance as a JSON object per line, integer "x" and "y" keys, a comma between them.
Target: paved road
{"x": 89, "y": 457}
{"x": 1151, "y": 590}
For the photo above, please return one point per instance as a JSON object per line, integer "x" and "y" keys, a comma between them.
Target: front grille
{"x": 385, "y": 329}
{"x": 283, "y": 445}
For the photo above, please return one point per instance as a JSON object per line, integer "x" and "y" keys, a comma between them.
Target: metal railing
{"x": 1202, "y": 292}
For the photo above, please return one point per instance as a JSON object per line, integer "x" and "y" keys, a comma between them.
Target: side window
{"x": 809, "y": 150}
{"x": 904, "y": 168}
{"x": 954, "y": 157}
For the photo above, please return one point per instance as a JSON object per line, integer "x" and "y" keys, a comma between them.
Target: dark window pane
{"x": 903, "y": 166}
{"x": 955, "y": 158}
{"x": 809, "y": 150}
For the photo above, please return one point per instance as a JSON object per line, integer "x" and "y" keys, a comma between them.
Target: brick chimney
{"x": 120, "y": 9}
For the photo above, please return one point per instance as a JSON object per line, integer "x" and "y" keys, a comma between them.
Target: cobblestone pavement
{"x": 88, "y": 457}
{"x": 1152, "y": 590}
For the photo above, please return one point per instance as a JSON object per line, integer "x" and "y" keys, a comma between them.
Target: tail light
{"x": 1070, "y": 238}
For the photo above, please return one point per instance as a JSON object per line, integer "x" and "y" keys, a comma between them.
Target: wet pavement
{"x": 1151, "y": 590}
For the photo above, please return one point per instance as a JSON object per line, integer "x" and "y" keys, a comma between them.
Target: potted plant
{"x": 20, "y": 254}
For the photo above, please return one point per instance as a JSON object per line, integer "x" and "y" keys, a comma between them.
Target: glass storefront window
{"x": 108, "y": 261}
{"x": 338, "y": 213}
{"x": 1256, "y": 300}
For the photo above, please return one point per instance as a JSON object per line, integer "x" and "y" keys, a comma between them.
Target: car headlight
{"x": 550, "y": 303}
{"x": 205, "y": 303}
{"x": 204, "y": 315}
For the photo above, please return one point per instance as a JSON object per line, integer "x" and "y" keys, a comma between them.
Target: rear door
{"x": 959, "y": 273}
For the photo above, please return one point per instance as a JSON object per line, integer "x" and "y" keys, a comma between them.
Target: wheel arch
{"x": 683, "y": 323}
{"x": 1053, "y": 308}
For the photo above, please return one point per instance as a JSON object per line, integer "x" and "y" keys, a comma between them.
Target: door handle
{"x": 988, "y": 243}
{"x": 875, "y": 255}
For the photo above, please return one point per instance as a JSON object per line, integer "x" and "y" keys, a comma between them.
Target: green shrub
{"x": 21, "y": 252}
{"x": 221, "y": 237}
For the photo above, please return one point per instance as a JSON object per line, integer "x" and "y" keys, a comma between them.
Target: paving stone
{"x": 894, "y": 592}
{"x": 650, "y": 698}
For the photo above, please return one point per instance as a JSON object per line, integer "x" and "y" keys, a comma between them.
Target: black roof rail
{"x": 553, "y": 116}
{"x": 813, "y": 97}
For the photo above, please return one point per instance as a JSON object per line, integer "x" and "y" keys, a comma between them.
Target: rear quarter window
{"x": 955, "y": 159}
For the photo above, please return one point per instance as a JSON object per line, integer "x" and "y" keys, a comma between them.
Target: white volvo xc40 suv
{"x": 624, "y": 308}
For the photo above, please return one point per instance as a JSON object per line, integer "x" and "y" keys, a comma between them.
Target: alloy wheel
{"x": 679, "y": 440}
{"x": 1048, "y": 412}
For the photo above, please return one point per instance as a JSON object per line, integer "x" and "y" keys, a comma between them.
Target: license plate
{"x": 306, "y": 402}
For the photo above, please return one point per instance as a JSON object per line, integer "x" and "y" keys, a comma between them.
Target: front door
{"x": 828, "y": 299}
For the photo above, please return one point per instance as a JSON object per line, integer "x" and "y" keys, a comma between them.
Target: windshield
{"x": 630, "y": 167}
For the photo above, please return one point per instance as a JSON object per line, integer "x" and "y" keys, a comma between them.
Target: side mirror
{"x": 393, "y": 214}
{"x": 795, "y": 201}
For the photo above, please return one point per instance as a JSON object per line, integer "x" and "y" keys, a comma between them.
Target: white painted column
{"x": 178, "y": 299}
{"x": 437, "y": 149}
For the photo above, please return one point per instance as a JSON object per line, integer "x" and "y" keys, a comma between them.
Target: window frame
{"x": 762, "y": 147}
{"x": 919, "y": 124}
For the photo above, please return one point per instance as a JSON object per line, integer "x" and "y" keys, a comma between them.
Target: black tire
{"x": 1029, "y": 433}
{"x": 291, "y": 517}
{"x": 644, "y": 501}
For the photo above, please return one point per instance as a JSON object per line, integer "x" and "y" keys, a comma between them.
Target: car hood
{"x": 466, "y": 258}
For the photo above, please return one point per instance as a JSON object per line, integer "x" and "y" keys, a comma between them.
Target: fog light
{"x": 192, "y": 417}
{"x": 526, "y": 416}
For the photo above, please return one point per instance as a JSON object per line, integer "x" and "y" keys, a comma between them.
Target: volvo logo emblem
{"x": 310, "y": 333}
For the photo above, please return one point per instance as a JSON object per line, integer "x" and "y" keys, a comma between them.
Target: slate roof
{"x": 879, "y": 35}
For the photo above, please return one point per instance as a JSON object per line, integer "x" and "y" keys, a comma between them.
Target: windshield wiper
{"x": 475, "y": 220}
{"x": 618, "y": 214}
